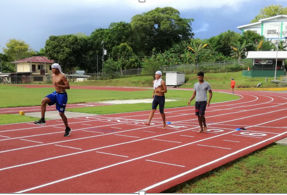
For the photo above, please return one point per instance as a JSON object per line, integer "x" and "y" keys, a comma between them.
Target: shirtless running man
{"x": 158, "y": 97}
{"x": 200, "y": 91}
{"x": 58, "y": 97}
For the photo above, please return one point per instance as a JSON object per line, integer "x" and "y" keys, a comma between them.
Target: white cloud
{"x": 178, "y": 4}
{"x": 203, "y": 28}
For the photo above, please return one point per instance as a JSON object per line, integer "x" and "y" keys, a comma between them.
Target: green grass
{"x": 15, "y": 96}
{"x": 222, "y": 81}
{"x": 138, "y": 81}
{"x": 11, "y": 118}
{"x": 181, "y": 96}
{"x": 217, "y": 81}
{"x": 263, "y": 171}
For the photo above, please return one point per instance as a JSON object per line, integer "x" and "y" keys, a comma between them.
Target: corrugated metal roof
{"x": 35, "y": 59}
{"x": 266, "y": 55}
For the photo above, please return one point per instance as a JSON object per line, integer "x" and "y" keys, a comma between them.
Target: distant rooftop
{"x": 35, "y": 59}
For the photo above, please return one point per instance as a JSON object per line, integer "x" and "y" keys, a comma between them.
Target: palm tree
{"x": 198, "y": 50}
{"x": 238, "y": 50}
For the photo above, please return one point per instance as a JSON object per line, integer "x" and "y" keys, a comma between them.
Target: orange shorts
{"x": 232, "y": 87}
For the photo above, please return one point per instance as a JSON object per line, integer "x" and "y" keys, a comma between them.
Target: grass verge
{"x": 11, "y": 118}
{"x": 263, "y": 171}
{"x": 182, "y": 96}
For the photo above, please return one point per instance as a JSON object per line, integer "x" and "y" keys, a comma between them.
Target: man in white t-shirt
{"x": 200, "y": 92}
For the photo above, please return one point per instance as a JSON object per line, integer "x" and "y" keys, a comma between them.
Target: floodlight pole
{"x": 276, "y": 59}
{"x": 103, "y": 44}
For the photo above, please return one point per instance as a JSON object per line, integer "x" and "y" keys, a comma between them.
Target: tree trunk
{"x": 239, "y": 61}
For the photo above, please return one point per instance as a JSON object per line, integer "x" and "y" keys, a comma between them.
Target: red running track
{"x": 118, "y": 154}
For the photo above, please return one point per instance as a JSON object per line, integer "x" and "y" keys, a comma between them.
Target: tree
{"x": 251, "y": 38}
{"x": 238, "y": 50}
{"x": 5, "y": 65}
{"x": 198, "y": 50}
{"x": 110, "y": 68}
{"x": 68, "y": 50}
{"x": 150, "y": 66}
{"x": 161, "y": 28}
{"x": 17, "y": 49}
{"x": 122, "y": 32}
{"x": 40, "y": 53}
{"x": 223, "y": 41}
{"x": 269, "y": 11}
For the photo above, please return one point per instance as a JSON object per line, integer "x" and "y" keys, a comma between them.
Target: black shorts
{"x": 158, "y": 100}
{"x": 200, "y": 108}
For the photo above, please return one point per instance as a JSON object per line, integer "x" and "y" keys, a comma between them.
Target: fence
{"x": 211, "y": 67}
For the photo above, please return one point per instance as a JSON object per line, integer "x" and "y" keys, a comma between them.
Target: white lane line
{"x": 231, "y": 141}
{"x": 127, "y": 136}
{"x": 4, "y": 136}
{"x": 214, "y": 146}
{"x": 47, "y": 159}
{"x": 93, "y": 131}
{"x": 112, "y": 154}
{"x": 119, "y": 163}
{"x": 187, "y": 135}
{"x": 167, "y": 141}
{"x": 164, "y": 163}
{"x": 31, "y": 141}
{"x": 149, "y": 131}
{"x": 36, "y": 135}
{"x": 247, "y": 136}
{"x": 68, "y": 147}
{"x": 207, "y": 164}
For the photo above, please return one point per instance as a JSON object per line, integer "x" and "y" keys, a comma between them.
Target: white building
{"x": 273, "y": 28}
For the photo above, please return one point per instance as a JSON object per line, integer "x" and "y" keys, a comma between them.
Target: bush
{"x": 110, "y": 68}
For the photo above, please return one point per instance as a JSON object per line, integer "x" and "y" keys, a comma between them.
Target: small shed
{"x": 79, "y": 76}
{"x": 175, "y": 78}
{"x": 264, "y": 63}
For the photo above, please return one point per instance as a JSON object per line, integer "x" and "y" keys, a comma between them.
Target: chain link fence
{"x": 207, "y": 67}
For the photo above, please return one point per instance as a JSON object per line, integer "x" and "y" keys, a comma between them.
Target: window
{"x": 40, "y": 67}
{"x": 33, "y": 68}
{"x": 51, "y": 67}
{"x": 38, "y": 78}
{"x": 271, "y": 32}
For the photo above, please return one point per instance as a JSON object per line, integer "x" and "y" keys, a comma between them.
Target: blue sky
{"x": 33, "y": 21}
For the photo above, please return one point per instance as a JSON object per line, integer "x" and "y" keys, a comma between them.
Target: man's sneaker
{"x": 40, "y": 122}
{"x": 67, "y": 132}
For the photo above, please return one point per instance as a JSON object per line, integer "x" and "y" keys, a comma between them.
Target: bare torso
{"x": 159, "y": 88}
{"x": 58, "y": 79}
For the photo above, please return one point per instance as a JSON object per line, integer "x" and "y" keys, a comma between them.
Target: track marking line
{"x": 231, "y": 141}
{"x": 214, "y": 146}
{"x": 126, "y": 136}
{"x": 207, "y": 164}
{"x": 31, "y": 141}
{"x": 93, "y": 131}
{"x": 167, "y": 141}
{"x": 112, "y": 154}
{"x": 4, "y": 136}
{"x": 119, "y": 163}
{"x": 187, "y": 135}
{"x": 164, "y": 163}
{"x": 68, "y": 147}
{"x": 247, "y": 136}
{"x": 116, "y": 127}
{"x": 149, "y": 131}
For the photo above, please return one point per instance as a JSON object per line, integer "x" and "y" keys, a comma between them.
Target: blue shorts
{"x": 60, "y": 99}
{"x": 158, "y": 100}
